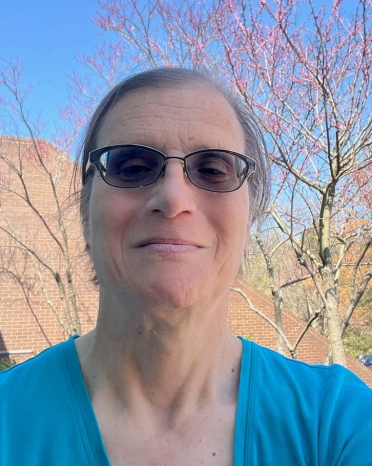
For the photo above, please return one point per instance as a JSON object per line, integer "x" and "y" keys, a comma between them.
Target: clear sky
{"x": 47, "y": 35}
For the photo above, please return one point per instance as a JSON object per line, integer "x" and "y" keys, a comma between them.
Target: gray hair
{"x": 162, "y": 78}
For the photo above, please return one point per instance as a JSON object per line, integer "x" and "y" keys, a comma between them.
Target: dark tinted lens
{"x": 131, "y": 166}
{"x": 216, "y": 171}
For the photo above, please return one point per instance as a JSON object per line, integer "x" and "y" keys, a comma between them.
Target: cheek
{"x": 231, "y": 220}
{"x": 110, "y": 217}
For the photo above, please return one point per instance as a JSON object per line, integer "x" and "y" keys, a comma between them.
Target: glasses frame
{"x": 94, "y": 159}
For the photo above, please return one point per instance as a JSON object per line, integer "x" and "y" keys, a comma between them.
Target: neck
{"x": 172, "y": 360}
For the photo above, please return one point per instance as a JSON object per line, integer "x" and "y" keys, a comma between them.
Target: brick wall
{"x": 313, "y": 348}
{"x": 27, "y": 323}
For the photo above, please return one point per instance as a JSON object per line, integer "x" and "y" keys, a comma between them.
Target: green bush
{"x": 6, "y": 363}
{"x": 358, "y": 340}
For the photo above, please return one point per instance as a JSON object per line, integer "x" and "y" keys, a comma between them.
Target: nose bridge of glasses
{"x": 167, "y": 158}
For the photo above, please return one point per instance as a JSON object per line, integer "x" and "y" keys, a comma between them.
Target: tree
{"x": 280, "y": 280}
{"x": 305, "y": 72}
{"x": 35, "y": 212}
{"x": 314, "y": 82}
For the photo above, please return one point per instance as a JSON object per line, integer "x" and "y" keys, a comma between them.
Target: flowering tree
{"x": 311, "y": 87}
{"x": 305, "y": 72}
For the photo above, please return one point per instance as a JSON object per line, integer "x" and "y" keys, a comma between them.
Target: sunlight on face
{"x": 169, "y": 244}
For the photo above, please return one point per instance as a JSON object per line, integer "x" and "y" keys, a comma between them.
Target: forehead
{"x": 183, "y": 118}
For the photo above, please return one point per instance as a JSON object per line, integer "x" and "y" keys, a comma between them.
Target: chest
{"x": 206, "y": 440}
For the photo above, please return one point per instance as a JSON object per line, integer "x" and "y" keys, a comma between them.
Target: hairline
{"x": 170, "y": 86}
{"x": 184, "y": 81}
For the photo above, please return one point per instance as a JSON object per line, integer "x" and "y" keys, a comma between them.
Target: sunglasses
{"x": 133, "y": 166}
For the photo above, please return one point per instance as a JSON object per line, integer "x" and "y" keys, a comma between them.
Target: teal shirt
{"x": 288, "y": 413}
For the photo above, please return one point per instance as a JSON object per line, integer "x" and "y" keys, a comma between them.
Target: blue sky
{"x": 47, "y": 35}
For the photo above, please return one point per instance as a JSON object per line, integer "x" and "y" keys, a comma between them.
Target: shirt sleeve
{"x": 345, "y": 436}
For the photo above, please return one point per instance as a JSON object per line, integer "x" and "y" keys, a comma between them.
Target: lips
{"x": 172, "y": 243}
{"x": 166, "y": 248}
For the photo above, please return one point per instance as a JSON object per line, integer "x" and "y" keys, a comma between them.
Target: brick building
{"x": 35, "y": 298}
{"x": 30, "y": 298}
{"x": 313, "y": 348}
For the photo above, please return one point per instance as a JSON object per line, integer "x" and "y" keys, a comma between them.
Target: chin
{"x": 175, "y": 297}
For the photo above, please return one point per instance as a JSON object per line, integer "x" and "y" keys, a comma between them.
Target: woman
{"x": 173, "y": 175}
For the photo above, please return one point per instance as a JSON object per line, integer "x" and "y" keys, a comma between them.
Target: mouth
{"x": 161, "y": 244}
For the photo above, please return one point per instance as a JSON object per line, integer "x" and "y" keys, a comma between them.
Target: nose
{"x": 172, "y": 193}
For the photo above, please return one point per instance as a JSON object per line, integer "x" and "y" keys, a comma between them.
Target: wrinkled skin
{"x": 177, "y": 122}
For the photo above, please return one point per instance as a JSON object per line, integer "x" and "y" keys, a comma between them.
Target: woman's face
{"x": 168, "y": 245}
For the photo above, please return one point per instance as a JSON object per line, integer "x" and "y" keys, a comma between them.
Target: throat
{"x": 163, "y": 375}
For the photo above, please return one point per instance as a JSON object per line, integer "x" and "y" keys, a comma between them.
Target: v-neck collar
{"x": 244, "y": 408}
{"x": 89, "y": 428}
{"x": 83, "y": 409}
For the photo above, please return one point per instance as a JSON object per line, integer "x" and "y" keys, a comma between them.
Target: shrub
{"x": 6, "y": 363}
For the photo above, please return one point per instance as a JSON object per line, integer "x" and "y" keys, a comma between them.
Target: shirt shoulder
{"x": 40, "y": 417}
{"x": 37, "y": 371}
{"x": 323, "y": 412}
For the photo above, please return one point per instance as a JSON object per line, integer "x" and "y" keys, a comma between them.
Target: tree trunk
{"x": 278, "y": 305}
{"x": 333, "y": 318}
{"x": 277, "y": 296}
